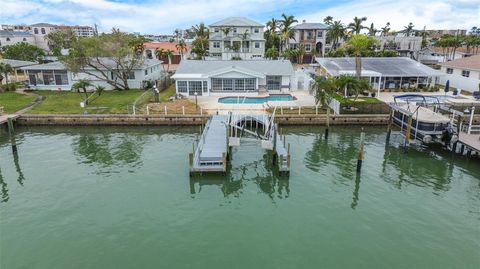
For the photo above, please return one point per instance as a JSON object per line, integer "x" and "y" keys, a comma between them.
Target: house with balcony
{"x": 233, "y": 78}
{"x": 313, "y": 36}
{"x": 236, "y": 38}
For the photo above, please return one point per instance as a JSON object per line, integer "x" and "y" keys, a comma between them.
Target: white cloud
{"x": 153, "y": 16}
{"x": 446, "y": 14}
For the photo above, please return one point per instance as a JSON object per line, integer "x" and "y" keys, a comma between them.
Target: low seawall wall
{"x": 191, "y": 119}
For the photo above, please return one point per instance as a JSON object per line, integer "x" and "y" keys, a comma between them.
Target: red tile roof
{"x": 472, "y": 62}
{"x": 165, "y": 46}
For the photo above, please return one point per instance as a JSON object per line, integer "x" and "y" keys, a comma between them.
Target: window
{"x": 256, "y": 30}
{"x": 8, "y": 38}
{"x": 308, "y": 47}
{"x": 131, "y": 75}
{"x": 320, "y": 34}
{"x": 274, "y": 82}
{"x": 234, "y": 30}
{"x": 195, "y": 87}
{"x": 216, "y": 54}
{"x": 216, "y": 44}
{"x": 465, "y": 73}
{"x": 216, "y": 84}
{"x": 309, "y": 35}
{"x": 250, "y": 84}
{"x": 205, "y": 87}
{"x": 146, "y": 72}
{"x": 24, "y": 39}
{"x": 257, "y": 45}
{"x": 216, "y": 30}
{"x": 43, "y": 31}
{"x": 449, "y": 71}
{"x": 228, "y": 84}
{"x": 61, "y": 77}
{"x": 35, "y": 31}
{"x": 182, "y": 86}
{"x": 239, "y": 84}
{"x": 48, "y": 78}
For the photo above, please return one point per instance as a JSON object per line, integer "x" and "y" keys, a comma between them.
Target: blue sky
{"x": 155, "y": 17}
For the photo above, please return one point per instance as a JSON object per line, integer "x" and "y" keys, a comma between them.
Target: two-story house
{"x": 313, "y": 36}
{"x": 236, "y": 38}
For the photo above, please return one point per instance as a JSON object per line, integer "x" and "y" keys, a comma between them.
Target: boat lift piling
{"x": 361, "y": 153}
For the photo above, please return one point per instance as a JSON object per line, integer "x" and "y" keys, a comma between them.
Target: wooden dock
{"x": 470, "y": 141}
{"x": 4, "y": 118}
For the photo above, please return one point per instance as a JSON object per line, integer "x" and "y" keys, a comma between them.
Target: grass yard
{"x": 110, "y": 102}
{"x": 13, "y": 101}
{"x": 360, "y": 99}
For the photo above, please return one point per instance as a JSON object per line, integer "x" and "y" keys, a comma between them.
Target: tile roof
{"x": 385, "y": 66}
{"x": 165, "y": 45}
{"x": 237, "y": 21}
{"x": 310, "y": 26}
{"x": 472, "y": 62}
{"x": 265, "y": 67}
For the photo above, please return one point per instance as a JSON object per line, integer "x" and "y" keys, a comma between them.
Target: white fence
{"x": 460, "y": 82}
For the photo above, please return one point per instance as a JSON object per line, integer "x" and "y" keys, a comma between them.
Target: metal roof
{"x": 105, "y": 61}
{"x": 386, "y": 66}
{"x": 42, "y": 24}
{"x": 237, "y": 21}
{"x": 17, "y": 63}
{"x": 310, "y": 26}
{"x": 265, "y": 67}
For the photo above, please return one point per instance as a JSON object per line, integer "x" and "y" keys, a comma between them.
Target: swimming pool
{"x": 255, "y": 100}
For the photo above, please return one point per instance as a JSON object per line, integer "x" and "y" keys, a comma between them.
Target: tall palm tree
{"x": 356, "y": 26}
{"x": 286, "y": 28}
{"x": 271, "y": 35}
{"x": 200, "y": 44}
{"x": 408, "y": 29}
{"x": 336, "y": 31}
{"x": 181, "y": 47}
{"x": 324, "y": 91}
{"x": 359, "y": 44}
{"x": 328, "y": 20}
{"x": 385, "y": 30}
{"x": 372, "y": 31}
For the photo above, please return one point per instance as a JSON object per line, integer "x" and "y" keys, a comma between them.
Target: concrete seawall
{"x": 191, "y": 119}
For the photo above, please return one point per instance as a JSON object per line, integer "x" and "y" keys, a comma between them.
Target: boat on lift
{"x": 427, "y": 125}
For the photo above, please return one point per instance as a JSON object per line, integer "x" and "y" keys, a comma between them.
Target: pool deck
{"x": 388, "y": 97}
{"x": 210, "y": 103}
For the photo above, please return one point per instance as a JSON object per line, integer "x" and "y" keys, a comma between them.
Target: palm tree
{"x": 356, "y": 26}
{"x": 385, "y": 30}
{"x": 359, "y": 44}
{"x": 372, "y": 31}
{"x": 286, "y": 28}
{"x": 181, "y": 47}
{"x": 328, "y": 20}
{"x": 336, "y": 31}
{"x": 245, "y": 36}
{"x": 82, "y": 84}
{"x": 271, "y": 35}
{"x": 324, "y": 91}
{"x": 5, "y": 69}
{"x": 200, "y": 44}
{"x": 271, "y": 53}
{"x": 408, "y": 29}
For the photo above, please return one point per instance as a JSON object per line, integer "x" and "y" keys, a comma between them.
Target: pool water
{"x": 255, "y": 100}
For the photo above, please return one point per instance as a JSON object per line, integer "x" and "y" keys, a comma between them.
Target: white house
{"x": 382, "y": 72}
{"x": 10, "y": 37}
{"x": 54, "y": 75}
{"x": 244, "y": 39}
{"x": 463, "y": 73}
{"x": 238, "y": 78}
{"x": 406, "y": 46}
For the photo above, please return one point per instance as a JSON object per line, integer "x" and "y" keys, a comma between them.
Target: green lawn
{"x": 167, "y": 93}
{"x": 110, "y": 102}
{"x": 13, "y": 101}
{"x": 360, "y": 99}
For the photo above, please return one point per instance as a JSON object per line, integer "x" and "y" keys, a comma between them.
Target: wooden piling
{"x": 327, "y": 123}
{"x": 360, "y": 152}
{"x": 389, "y": 127}
{"x": 12, "y": 135}
{"x": 407, "y": 134}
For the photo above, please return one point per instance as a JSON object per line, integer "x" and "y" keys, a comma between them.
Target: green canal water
{"x": 105, "y": 197}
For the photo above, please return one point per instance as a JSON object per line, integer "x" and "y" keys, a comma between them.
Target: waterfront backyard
{"x": 122, "y": 198}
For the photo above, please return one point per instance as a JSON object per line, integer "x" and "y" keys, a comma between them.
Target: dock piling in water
{"x": 360, "y": 152}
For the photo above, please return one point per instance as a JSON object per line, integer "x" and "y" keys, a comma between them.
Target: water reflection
{"x": 109, "y": 150}
{"x": 356, "y": 192}
{"x": 260, "y": 172}
{"x": 20, "y": 178}
{"x": 4, "y": 188}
